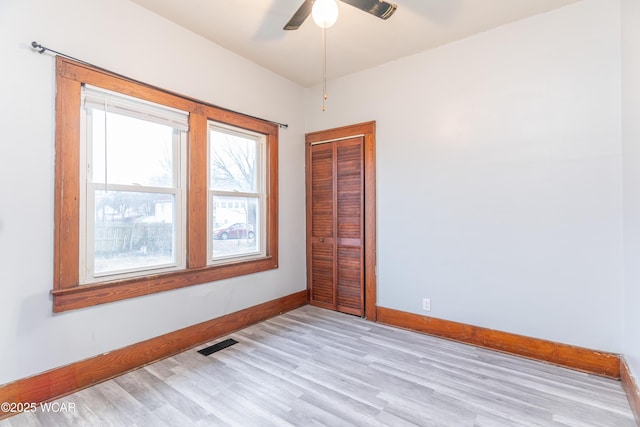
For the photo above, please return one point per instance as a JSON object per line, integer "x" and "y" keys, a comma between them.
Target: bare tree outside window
{"x": 233, "y": 163}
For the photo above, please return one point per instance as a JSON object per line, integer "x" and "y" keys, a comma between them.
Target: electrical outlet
{"x": 426, "y": 304}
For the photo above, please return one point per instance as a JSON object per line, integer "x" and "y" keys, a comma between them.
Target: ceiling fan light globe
{"x": 325, "y": 13}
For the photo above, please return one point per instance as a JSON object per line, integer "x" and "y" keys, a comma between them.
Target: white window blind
{"x": 105, "y": 100}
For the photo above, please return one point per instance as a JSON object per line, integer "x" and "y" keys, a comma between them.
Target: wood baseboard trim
{"x": 65, "y": 380}
{"x": 630, "y": 388}
{"x": 578, "y": 358}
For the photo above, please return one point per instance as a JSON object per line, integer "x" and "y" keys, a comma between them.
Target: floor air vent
{"x": 217, "y": 347}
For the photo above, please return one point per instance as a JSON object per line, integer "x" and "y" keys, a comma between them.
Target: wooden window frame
{"x": 68, "y": 293}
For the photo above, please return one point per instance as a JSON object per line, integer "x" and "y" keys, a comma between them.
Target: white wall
{"x": 123, "y": 37}
{"x": 631, "y": 181}
{"x": 499, "y": 175}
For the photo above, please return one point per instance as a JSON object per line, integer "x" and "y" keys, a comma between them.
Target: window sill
{"x": 104, "y": 292}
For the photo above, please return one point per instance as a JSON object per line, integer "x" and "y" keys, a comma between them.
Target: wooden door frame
{"x": 368, "y": 131}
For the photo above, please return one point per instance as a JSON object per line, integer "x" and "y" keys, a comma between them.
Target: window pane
{"x": 133, "y": 231}
{"x": 138, "y": 152}
{"x": 233, "y": 162}
{"x": 235, "y": 229}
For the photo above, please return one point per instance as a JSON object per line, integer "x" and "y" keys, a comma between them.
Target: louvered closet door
{"x": 322, "y": 227}
{"x": 336, "y": 237}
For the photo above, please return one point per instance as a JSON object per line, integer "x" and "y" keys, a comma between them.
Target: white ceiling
{"x": 253, "y": 29}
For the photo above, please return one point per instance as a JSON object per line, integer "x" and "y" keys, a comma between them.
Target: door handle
{"x": 322, "y": 240}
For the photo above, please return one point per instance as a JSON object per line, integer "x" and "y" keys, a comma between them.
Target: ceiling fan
{"x": 379, "y": 8}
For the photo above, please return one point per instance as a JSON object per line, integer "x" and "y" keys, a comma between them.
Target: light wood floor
{"x": 314, "y": 367}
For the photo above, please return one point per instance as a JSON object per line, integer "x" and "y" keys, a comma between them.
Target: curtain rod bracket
{"x": 38, "y": 46}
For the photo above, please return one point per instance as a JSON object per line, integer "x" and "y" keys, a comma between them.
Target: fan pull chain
{"x": 324, "y": 67}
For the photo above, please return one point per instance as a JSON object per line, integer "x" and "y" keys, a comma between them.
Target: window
{"x": 155, "y": 191}
{"x": 132, "y": 188}
{"x": 236, "y": 192}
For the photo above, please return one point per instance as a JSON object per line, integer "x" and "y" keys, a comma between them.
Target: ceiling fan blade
{"x": 381, "y": 9}
{"x": 301, "y": 14}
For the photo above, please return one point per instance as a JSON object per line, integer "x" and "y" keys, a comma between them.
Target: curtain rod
{"x": 42, "y": 49}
